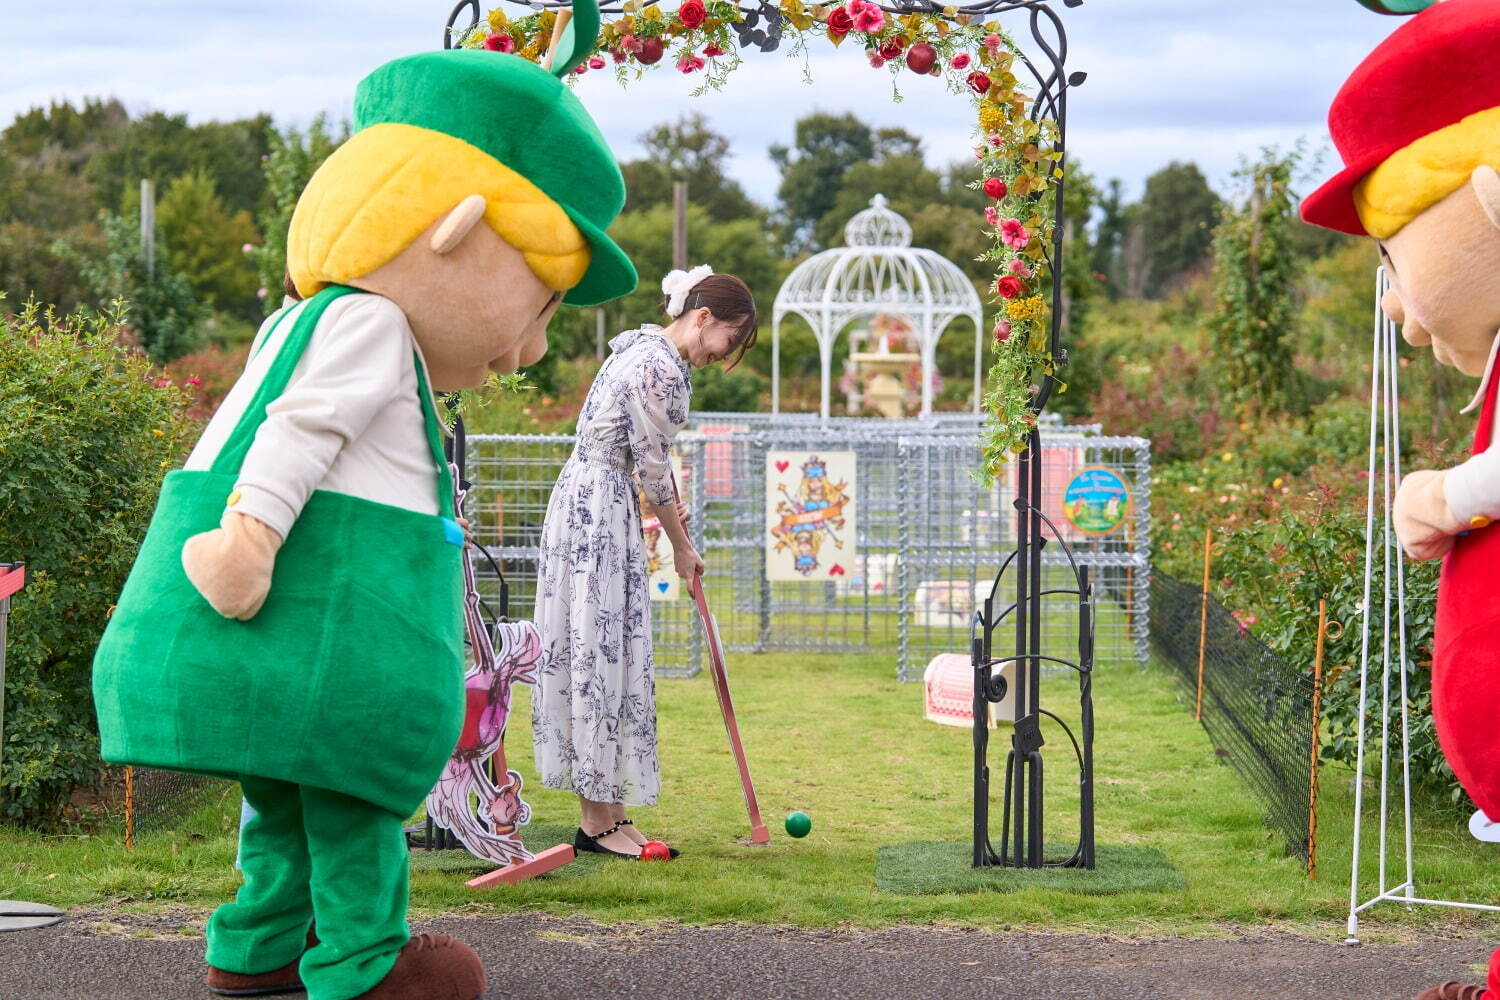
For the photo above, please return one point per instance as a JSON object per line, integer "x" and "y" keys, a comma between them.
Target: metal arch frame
{"x": 1021, "y": 841}
{"x": 863, "y": 278}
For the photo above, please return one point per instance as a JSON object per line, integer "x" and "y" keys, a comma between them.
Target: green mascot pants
{"x": 310, "y": 850}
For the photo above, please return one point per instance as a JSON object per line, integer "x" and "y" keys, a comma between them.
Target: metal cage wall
{"x": 930, "y": 537}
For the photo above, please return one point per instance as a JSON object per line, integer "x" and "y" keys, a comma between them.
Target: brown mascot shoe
{"x": 432, "y": 967}
{"x": 283, "y": 980}
{"x": 1452, "y": 990}
{"x": 233, "y": 984}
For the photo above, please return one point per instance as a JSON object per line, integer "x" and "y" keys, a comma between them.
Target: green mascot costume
{"x": 293, "y": 621}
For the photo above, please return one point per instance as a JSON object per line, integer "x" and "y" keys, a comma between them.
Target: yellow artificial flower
{"x": 1028, "y": 308}
{"x": 991, "y": 118}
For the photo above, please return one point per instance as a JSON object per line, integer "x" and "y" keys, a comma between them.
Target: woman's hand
{"x": 687, "y": 561}
{"x": 683, "y": 514}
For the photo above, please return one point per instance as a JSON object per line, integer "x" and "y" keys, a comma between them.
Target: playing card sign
{"x": 811, "y": 517}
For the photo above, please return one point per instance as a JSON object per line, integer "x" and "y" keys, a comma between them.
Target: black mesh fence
{"x": 161, "y": 800}
{"x": 1257, "y": 708}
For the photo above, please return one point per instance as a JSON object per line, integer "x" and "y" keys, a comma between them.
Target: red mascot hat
{"x": 1432, "y": 72}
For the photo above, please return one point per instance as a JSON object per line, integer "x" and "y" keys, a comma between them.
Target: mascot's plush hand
{"x": 231, "y": 565}
{"x": 1424, "y": 524}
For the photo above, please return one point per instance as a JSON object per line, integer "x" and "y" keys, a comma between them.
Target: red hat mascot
{"x": 1418, "y": 128}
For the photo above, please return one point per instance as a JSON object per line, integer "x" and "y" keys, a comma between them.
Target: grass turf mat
{"x": 928, "y": 867}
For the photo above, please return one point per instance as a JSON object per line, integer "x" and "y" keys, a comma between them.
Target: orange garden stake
{"x": 1208, "y": 549}
{"x": 1312, "y": 779}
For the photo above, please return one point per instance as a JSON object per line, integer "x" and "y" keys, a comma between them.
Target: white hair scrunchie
{"x": 676, "y": 285}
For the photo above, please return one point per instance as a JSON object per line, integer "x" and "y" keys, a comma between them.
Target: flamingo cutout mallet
{"x": 758, "y": 832}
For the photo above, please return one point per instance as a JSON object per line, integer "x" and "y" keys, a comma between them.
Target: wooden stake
{"x": 1208, "y": 550}
{"x": 563, "y": 17}
{"x": 129, "y": 807}
{"x": 1312, "y": 778}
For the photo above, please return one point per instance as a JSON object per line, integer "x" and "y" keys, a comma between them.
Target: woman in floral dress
{"x": 594, "y": 706}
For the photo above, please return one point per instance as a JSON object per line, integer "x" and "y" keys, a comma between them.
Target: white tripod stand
{"x": 1385, "y": 467}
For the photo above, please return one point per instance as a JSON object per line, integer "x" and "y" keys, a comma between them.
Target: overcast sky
{"x": 1201, "y": 80}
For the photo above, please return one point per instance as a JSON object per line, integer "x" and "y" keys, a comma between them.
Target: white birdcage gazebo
{"x": 877, "y": 272}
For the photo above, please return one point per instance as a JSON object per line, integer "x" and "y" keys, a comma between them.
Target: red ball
{"x": 651, "y": 51}
{"x": 994, "y": 187}
{"x": 921, "y": 57}
{"x": 655, "y": 850}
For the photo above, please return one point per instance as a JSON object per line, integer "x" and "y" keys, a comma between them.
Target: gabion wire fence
{"x": 929, "y": 536}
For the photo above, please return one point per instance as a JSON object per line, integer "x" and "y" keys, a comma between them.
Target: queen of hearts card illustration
{"x": 810, "y": 515}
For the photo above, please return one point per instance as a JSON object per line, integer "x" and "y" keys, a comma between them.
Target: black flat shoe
{"x": 674, "y": 851}
{"x": 590, "y": 842}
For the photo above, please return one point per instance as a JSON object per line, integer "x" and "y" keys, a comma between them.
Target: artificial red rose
{"x": 995, "y": 187}
{"x": 596, "y": 63}
{"x": 692, "y": 13}
{"x": 839, "y": 22}
{"x": 651, "y": 51}
{"x": 921, "y": 57}
{"x": 891, "y": 48}
{"x": 979, "y": 83}
{"x": 713, "y": 52}
{"x": 1009, "y": 287}
{"x": 1002, "y": 331}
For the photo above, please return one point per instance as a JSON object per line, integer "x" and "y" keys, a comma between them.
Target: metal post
{"x": 148, "y": 225}
{"x": 679, "y": 225}
{"x": 599, "y": 334}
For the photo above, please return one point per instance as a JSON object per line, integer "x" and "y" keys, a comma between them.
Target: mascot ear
{"x": 458, "y": 223}
{"x": 1487, "y": 186}
{"x": 573, "y": 37}
{"x": 1398, "y": 6}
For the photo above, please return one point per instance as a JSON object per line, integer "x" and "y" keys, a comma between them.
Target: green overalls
{"x": 336, "y": 706}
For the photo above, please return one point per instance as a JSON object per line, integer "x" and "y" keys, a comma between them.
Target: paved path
{"x": 159, "y": 957}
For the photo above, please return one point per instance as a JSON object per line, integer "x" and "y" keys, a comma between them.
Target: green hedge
{"x": 87, "y": 430}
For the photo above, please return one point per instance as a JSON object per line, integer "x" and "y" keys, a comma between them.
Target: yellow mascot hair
{"x": 381, "y": 189}
{"x": 1415, "y": 178}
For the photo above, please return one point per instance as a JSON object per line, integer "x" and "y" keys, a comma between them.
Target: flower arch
{"x": 1018, "y": 132}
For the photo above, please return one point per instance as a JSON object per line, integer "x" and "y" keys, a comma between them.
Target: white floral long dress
{"x": 593, "y": 710}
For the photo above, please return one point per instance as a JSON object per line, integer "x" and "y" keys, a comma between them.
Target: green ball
{"x": 798, "y": 824}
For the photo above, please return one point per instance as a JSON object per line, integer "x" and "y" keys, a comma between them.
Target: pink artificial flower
{"x": 992, "y": 44}
{"x": 580, "y": 69}
{"x": 500, "y": 43}
{"x": 194, "y": 380}
{"x": 630, "y": 43}
{"x": 1019, "y": 269}
{"x": 596, "y": 63}
{"x": 996, "y": 141}
{"x": 620, "y": 55}
{"x": 713, "y": 51}
{"x": 960, "y": 61}
{"x": 1002, "y": 331}
{"x": 875, "y": 60}
{"x": 162, "y": 383}
{"x": 690, "y": 64}
{"x": 1015, "y": 235}
{"x": 867, "y": 16}
{"x": 991, "y": 216}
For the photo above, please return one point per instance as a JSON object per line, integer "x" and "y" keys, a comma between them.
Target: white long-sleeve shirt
{"x": 350, "y": 420}
{"x": 1472, "y": 488}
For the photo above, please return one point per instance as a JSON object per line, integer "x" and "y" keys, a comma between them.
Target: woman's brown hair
{"x": 728, "y": 300}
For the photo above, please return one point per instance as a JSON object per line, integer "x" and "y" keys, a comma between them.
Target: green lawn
{"x": 837, "y": 737}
